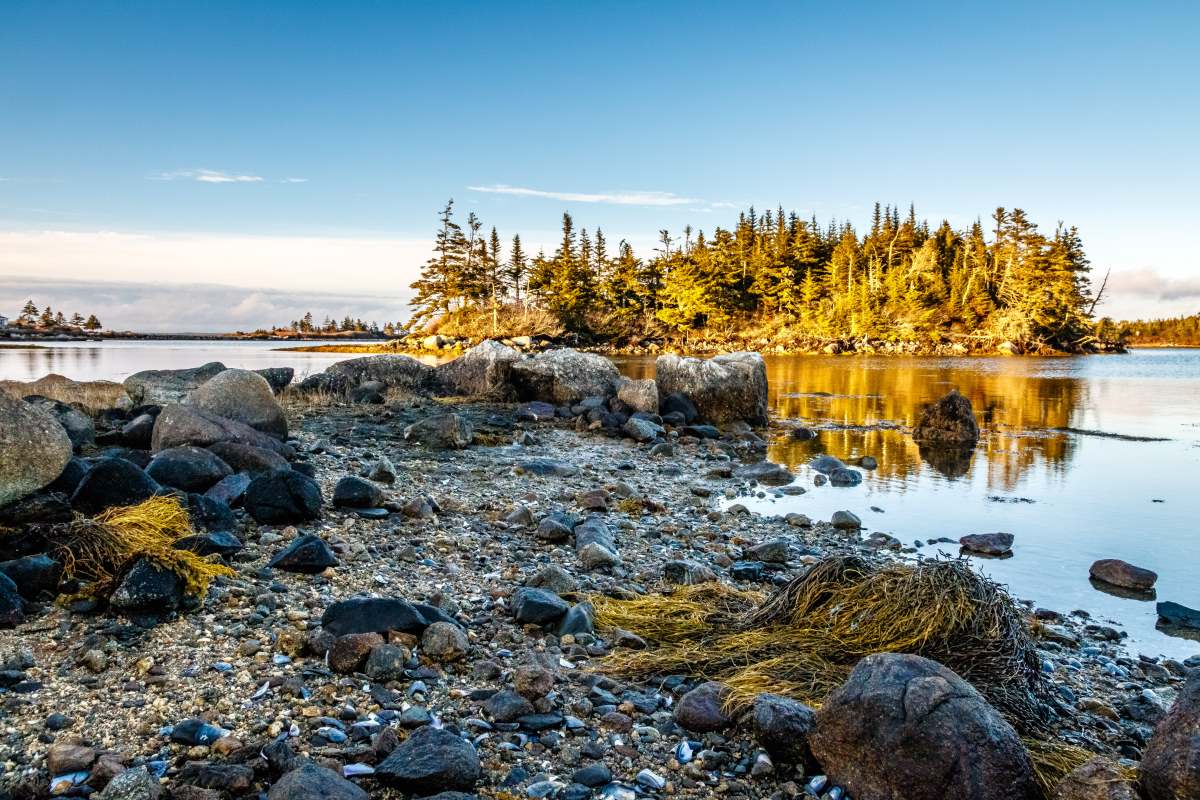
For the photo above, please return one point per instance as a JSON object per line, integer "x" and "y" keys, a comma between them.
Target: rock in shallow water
{"x": 987, "y": 544}
{"x": 1123, "y": 574}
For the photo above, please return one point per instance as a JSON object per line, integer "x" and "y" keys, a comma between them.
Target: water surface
{"x": 1069, "y": 498}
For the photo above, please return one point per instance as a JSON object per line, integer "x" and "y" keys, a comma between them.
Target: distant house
{"x": 3, "y": 322}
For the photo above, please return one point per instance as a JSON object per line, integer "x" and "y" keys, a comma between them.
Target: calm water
{"x": 1068, "y": 498}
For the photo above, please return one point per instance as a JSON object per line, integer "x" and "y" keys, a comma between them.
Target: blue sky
{"x": 306, "y": 147}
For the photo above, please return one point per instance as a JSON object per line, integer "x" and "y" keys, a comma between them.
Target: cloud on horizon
{"x": 194, "y": 307}
{"x": 624, "y": 198}
{"x": 1149, "y": 283}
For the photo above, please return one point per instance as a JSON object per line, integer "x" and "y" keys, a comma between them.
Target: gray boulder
{"x": 248, "y": 458}
{"x": 185, "y": 424}
{"x": 639, "y": 395}
{"x": 724, "y": 388}
{"x": 162, "y": 386}
{"x": 949, "y": 421}
{"x": 243, "y": 396}
{"x": 903, "y": 726}
{"x": 564, "y": 377}
{"x": 191, "y": 469}
{"x": 34, "y": 448}
{"x": 77, "y": 424}
{"x": 482, "y": 371}
{"x": 394, "y": 372}
{"x": 441, "y": 432}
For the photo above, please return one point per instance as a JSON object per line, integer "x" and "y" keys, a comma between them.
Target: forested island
{"x": 773, "y": 280}
{"x": 1182, "y": 331}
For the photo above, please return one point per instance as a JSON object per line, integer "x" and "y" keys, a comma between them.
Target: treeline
{"x": 1182, "y": 330}
{"x": 307, "y": 324}
{"x": 900, "y": 280}
{"x": 49, "y": 319}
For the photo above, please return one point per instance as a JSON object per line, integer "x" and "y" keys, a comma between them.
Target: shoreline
{"x": 465, "y": 532}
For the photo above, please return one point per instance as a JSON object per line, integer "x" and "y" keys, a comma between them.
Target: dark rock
{"x": 702, "y": 431}
{"x": 352, "y": 492}
{"x": 676, "y": 403}
{"x": 987, "y": 544}
{"x": 1123, "y": 574}
{"x": 207, "y": 514}
{"x": 781, "y": 725}
{"x": 724, "y": 388}
{"x": 507, "y": 706}
{"x": 282, "y": 498}
{"x": 547, "y": 467}
{"x": 349, "y": 652}
{"x": 373, "y": 614}
{"x": 138, "y": 431}
{"x": 248, "y": 458}
{"x": 162, "y": 386}
{"x": 441, "y": 432}
{"x": 766, "y": 473}
{"x": 1170, "y": 768}
{"x": 905, "y": 726}
{"x": 278, "y": 378}
{"x": 217, "y": 543}
{"x": 326, "y": 383}
{"x": 845, "y": 477}
{"x": 36, "y": 509}
{"x": 69, "y": 479}
{"x": 1176, "y": 614}
{"x": 113, "y": 482}
{"x": 386, "y": 663}
{"x": 537, "y": 606}
{"x": 701, "y": 710}
{"x": 12, "y": 607}
{"x": 593, "y": 775}
{"x": 579, "y": 619}
{"x": 536, "y": 411}
{"x": 308, "y": 555}
{"x": 34, "y": 448}
{"x": 186, "y": 424}
{"x": 312, "y": 782}
{"x": 139, "y": 458}
{"x": 190, "y": 469}
{"x": 231, "y": 490}
{"x": 371, "y": 393}
{"x": 430, "y": 760}
{"x": 147, "y": 588}
{"x": 948, "y": 421}
{"x": 33, "y": 575}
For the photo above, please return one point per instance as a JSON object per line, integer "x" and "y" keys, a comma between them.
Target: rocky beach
{"x": 404, "y": 580}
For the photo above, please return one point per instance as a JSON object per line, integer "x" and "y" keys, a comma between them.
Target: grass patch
{"x": 92, "y": 395}
{"x": 804, "y": 640}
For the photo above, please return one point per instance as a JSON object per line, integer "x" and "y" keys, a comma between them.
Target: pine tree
{"x": 441, "y": 276}
{"x": 29, "y": 313}
{"x": 92, "y": 323}
{"x": 516, "y": 272}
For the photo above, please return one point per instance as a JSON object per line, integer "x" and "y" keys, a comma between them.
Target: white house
{"x": 3, "y": 322}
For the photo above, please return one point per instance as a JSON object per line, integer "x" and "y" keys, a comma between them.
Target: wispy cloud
{"x": 206, "y": 176}
{"x": 294, "y": 180}
{"x": 626, "y": 198}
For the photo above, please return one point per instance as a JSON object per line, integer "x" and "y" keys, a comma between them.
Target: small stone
{"x": 349, "y": 653}
{"x": 444, "y": 641}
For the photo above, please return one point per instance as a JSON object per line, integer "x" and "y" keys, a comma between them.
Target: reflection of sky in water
{"x": 1093, "y": 497}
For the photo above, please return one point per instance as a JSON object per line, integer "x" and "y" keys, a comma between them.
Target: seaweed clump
{"x": 96, "y": 552}
{"x": 804, "y": 640}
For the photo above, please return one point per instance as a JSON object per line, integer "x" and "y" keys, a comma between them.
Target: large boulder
{"x": 162, "y": 386}
{"x": 185, "y": 424}
{"x": 442, "y": 432}
{"x": 78, "y": 425}
{"x": 1171, "y": 761}
{"x": 949, "y": 421}
{"x": 34, "y": 448}
{"x": 113, "y": 482}
{"x": 188, "y": 468}
{"x": 564, "y": 377}
{"x": 907, "y": 727}
{"x": 429, "y": 761}
{"x": 147, "y": 588}
{"x": 639, "y": 395}
{"x": 724, "y": 388}
{"x": 244, "y": 396}
{"x": 394, "y": 372}
{"x": 482, "y": 371}
{"x": 282, "y": 498}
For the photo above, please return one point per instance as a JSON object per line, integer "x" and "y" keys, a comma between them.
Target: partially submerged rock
{"x": 34, "y": 448}
{"x": 987, "y": 544}
{"x": 1123, "y": 574}
{"x": 949, "y": 421}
